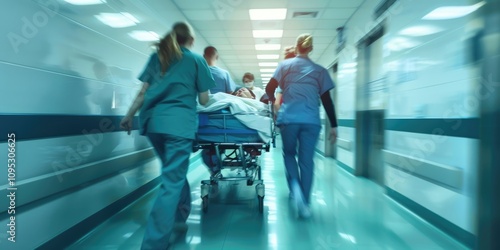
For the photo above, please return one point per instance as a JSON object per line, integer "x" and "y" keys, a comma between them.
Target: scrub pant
{"x": 307, "y": 137}
{"x": 173, "y": 203}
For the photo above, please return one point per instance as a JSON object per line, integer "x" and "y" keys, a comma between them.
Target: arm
{"x": 270, "y": 88}
{"x": 277, "y": 102}
{"x": 203, "y": 98}
{"x": 126, "y": 122}
{"x": 330, "y": 112}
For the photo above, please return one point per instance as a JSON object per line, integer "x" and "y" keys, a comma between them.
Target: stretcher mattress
{"x": 222, "y": 126}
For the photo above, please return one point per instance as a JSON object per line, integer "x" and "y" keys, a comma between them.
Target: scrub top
{"x": 223, "y": 81}
{"x": 302, "y": 82}
{"x": 170, "y": 101}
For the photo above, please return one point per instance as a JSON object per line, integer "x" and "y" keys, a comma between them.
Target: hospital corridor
{"x": 249, "y": 124}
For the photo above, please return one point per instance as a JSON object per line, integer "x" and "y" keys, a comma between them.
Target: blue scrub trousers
{"x": 307, "y": 137}
{"x": 173, "y": 203}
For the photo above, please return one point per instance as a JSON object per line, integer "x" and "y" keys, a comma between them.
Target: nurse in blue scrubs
{"x": 173, "y": 80}
{"x": 303, "y": 83}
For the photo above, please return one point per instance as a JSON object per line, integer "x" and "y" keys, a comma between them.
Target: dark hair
{"x": 249, "y": 76}
{"x": 168, "y": 48}
{"x": 210, "y": 51}
{"x": 238, "y": 88}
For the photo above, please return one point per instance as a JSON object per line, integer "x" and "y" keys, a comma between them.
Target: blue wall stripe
{"x": 345, "y": 167}
{"x": 455, "y": 231}
{"x": 347, "y": 123}
{"x": 459, "y": 127}
{"x": 40, "y": 126}
{"x": 36, "y": 126}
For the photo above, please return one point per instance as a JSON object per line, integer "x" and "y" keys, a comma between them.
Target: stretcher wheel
{"x": 204, "y": 204}
{"x": 261, "y": 204}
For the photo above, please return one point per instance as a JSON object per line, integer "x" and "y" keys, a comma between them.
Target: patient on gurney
{"x": 241, "y": 100}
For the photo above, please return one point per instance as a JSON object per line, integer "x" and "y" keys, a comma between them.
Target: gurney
{"x": 235, "y": 139}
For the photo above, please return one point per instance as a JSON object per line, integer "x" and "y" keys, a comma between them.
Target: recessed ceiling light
{"x": 266, "y": 75}
{"x": 144, "y": 36}
{"x": 420, "y": 30}
{"x": 85, "y": 2}
{"x": 267, "y": 46}
{"x": 451, "y": 12}
{"x": 267, "y": 14}
{"x": 267, "y": 33}
{"x": 266, "y": 79}
{"x": 117, "y": 20}
{"x": 268, "y": 64}
{"x": 267, "y": 70}
{"x": 268, "y": 57}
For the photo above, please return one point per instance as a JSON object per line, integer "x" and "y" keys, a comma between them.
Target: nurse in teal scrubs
{"x": 173, "y": 80}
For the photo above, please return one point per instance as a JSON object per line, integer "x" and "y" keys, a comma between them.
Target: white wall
{"x": 428, "y": 76}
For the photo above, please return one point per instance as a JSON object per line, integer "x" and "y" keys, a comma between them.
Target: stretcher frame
{"x": 246, "y": 160}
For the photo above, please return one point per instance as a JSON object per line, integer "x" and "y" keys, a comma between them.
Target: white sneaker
{"x": 298, "y": 199}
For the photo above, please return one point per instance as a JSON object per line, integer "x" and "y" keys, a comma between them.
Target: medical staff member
{"x": 248, "y": 82}
{"x": 303, "y": 83}
{"x": 223, "y": 80}
{"x": 172, "y": 81}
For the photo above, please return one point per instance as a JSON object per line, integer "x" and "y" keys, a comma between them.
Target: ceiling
{"x": 226, "y": 25}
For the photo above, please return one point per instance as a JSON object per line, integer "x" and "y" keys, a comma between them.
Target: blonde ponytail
{"x": 304, "y": 42}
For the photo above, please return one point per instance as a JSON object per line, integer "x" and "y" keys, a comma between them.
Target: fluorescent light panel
{"x": 422, "y": 30}
{"x": 268, "y": 64}
{"x": 266, "y": 75}
{"x": 266, "y": 78}
{"x": 451, "y": 12}
{"x": 267, "y": 70}
{"x": 267, "y": 46}
{"x": 85, "y": 2}
{"x": 144, "y": 36}
{"x": 267, "y": 33}
{"x": 117, "y": 20}
{"x": 263, "y": 57}
{"x": 267, "y": 14}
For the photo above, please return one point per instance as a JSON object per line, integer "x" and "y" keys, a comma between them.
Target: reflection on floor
{"x": 348, "y": 213}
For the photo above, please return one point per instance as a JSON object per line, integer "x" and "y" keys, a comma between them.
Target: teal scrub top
{"x": 302, "y": 83}
{"x": 170, "y": 101}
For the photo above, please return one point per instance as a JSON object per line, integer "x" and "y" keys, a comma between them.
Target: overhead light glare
{"x": 117, "y": 20}
{"x": 266, "y": 75}
{"x": 266, "y": 79}
{"x": 267, "y": 14}
{"x": 267, "y": 70}
{"x": 451, "y": 12}
{"x": 144, "y": 36}
{"x": 268, "y": 64}
{"x": 85, "y": 2}
{"x": 263, "y": 57}
{"x": 267, "y": 33}
{"x": 422, "y": 30}
{"x": 267, "y": 46}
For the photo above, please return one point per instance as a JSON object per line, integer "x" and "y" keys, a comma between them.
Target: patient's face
{"x": 244, "y": 93}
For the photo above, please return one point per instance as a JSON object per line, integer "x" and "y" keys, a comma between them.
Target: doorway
{"x": 370, "y": 107}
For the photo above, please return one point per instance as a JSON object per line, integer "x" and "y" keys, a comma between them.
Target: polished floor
{"x": 348, "y": 213}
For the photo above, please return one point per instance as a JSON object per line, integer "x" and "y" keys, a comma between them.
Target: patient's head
{"x": 244, "y": 93}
